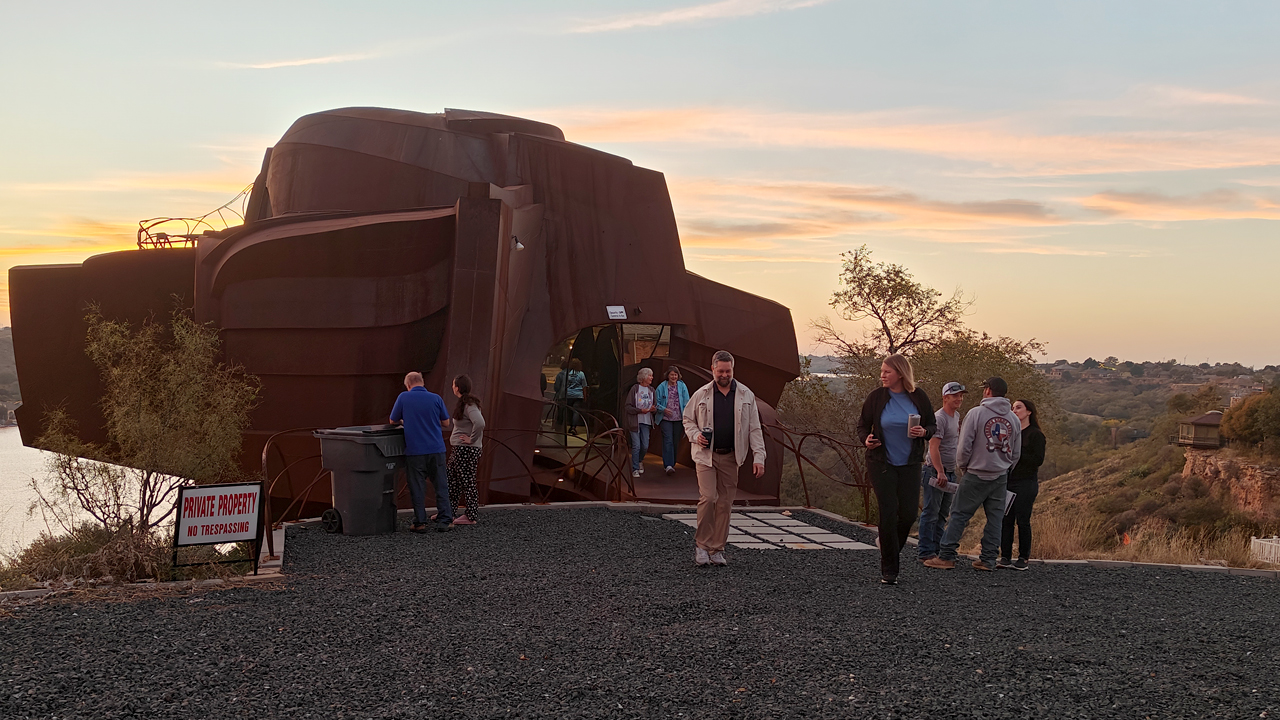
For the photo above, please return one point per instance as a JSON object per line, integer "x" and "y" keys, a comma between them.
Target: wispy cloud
{"x": 1004, "y": 146}
{"x": 722, "y": 10}
{"x": 765, "y": 258}
{"x": 227, "y": 182}
{"x": 299, "y": 62}
{"x": 1173, "y": 94}
{"x": 1220, "y": 204}
{"x": 745, "y": 214}
{"x": 77, "y": 234}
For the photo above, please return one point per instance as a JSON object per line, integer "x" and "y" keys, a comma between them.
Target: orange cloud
{"x": 739, "y": 214}
{"x": 1221, "y": 204}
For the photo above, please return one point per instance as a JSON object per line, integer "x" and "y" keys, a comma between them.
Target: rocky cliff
{"x": 1252, "y": 484}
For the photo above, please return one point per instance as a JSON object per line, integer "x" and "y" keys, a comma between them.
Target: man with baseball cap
{"x": 941, "y": 464}
{"x": 990, "y": 443}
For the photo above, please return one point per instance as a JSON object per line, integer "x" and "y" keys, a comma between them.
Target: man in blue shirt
{"x": 425, "y": 418}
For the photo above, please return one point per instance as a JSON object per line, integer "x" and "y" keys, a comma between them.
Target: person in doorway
{"x": 673, "y": 395}
{"x": 896, "y": 422}
{"x": 639, "y": 410}
{"x": 1024, "y": 483}
{"x": 722, "y": 423}
{"x": 575, "y": 389}
{"x": 990, "y": 444}
{"x": 467, "y": 440}
{"x": 424, "y": 417}
{"x": 940, "y": 468}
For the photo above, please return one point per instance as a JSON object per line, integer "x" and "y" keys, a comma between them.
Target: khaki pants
{"x": 717, "y": 486}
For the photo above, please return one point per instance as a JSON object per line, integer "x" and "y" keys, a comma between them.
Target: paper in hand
{"x": 1008, "y": 501}
{"x": 940, "y": 482}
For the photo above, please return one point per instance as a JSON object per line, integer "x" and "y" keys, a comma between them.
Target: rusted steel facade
{"x": 379, "y": 241}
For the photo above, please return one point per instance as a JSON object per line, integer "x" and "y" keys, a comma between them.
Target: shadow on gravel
{"x": 599, "y": 613}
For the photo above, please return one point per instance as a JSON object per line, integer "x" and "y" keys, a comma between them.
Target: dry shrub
{"x": 1160, "y": 542}
{"x": 174, "y": 416}
{"x": 1066, "y": 531}
{"x": 91, "y": 552}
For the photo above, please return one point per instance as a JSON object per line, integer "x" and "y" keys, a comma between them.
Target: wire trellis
{"x": 168, "y": 232}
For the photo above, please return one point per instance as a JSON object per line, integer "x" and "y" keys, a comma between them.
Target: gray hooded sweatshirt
{"x": 990, "y": 440}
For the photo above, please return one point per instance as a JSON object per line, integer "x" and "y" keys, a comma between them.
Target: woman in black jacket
{"x": 1024, "y": 481}
{"x": 895, "y": 442}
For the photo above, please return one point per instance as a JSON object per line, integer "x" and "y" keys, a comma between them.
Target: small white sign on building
{"x": 616, "y": 312}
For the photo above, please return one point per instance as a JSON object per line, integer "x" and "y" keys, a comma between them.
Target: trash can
{"x": 364, "y": 460}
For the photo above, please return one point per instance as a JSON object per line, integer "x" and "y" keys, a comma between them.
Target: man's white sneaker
{"x": 671, "y": 470}
{"x": 641, "y": 469}
{"x": 635, "y": 473}
{"x": 700, "y": 557}
{"x": 718, "y": 558}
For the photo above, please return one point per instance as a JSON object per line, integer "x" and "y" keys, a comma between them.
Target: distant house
{"x": 1201, "y": 431}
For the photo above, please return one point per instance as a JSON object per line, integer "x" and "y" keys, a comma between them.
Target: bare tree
{"x": 903, "y": 313}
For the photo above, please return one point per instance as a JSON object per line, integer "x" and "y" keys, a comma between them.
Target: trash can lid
{"x": 388, "y": 438}
{"x": 358, "y": 431}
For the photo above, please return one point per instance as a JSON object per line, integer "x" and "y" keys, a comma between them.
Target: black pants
{"x": 1021, "y": 515}
{"x": 898, "y": 495}
{"x": 573, "y": 415}
{"x": 419, "y": 469}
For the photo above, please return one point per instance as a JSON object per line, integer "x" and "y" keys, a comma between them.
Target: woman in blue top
{"x": 571, "y": 385}
{"x": 895, "y": 453}
{"x": 672, "y": 397}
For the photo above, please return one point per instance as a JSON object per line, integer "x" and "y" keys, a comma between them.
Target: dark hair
{"x": 721, "y": 356}
{"x": 997, "y": 386}
{"x": 575, "y": 364}
{"x": 676, "y": 370}
{"x": 463, "y": 383}
{"x": 1033, "y": 419}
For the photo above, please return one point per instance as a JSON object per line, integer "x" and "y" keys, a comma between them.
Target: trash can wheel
{"x": 331, "y": 521}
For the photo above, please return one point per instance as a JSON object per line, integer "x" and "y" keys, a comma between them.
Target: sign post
{"x": 217, "y": 514}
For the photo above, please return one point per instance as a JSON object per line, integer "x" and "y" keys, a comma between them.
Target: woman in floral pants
{"x": 466, "y": 439}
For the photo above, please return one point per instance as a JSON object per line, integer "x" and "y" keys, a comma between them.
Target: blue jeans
{"x": 672, "y": 430}
{"x": 976, "y": 493}
{"x": 639, "y": 445}
{"x": 421, "y": 467}
{"x": 933, "y": 514}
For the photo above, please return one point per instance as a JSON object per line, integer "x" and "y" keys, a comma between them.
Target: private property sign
{"x": 209, "y": 514}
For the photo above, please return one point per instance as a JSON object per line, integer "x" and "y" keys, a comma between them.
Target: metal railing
{"x": 852, "y": 455}
{"x": 604, "y": 456}
{"x": 606, "y": 449}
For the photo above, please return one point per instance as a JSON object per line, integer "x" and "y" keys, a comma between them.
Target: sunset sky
{"x": 1102, "y": 176}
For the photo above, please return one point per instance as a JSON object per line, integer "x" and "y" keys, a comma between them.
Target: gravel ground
{"x": 599, "y": 613}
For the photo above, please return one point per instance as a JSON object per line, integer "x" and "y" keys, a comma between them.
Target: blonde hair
{"x": 902, "y": 366}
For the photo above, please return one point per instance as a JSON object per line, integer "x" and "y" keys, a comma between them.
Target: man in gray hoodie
{"x": 990, "y": 443}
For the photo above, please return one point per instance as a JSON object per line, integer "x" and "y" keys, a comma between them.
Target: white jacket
{"x": 747, "y": 433}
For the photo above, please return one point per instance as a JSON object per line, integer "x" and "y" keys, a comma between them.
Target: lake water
{"x": 18, "y": 465}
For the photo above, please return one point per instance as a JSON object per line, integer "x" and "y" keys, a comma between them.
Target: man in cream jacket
{"x": 722, "y": 423}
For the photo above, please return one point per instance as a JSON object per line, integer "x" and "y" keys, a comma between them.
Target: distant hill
{"x": 1145, "y": 482}
{"x": 823, "y": 363}
{"x": 8, "y": 369}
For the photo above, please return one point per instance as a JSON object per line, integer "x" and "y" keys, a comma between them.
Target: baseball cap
{"x": 997, "y": 386}
{"x": 953, "y": 388}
